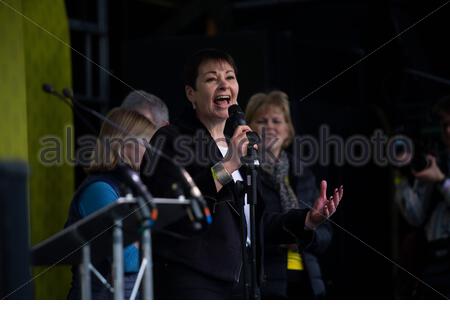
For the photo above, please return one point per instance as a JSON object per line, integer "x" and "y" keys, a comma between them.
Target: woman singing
{"x": 213, "y": 264}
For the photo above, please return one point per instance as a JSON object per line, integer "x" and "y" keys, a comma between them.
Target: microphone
{"x": 237, "y": 118}
{"x": 133, "y": 180}
{"x": 196, "y": 195}
{"x": 68, "y": 93}
{"x": 48, "y": 88}
{"x": 236, "y": 115}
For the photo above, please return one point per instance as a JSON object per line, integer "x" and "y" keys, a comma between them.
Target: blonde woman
{"x": 288, "y": 273}
{"x": 103, "y": 186}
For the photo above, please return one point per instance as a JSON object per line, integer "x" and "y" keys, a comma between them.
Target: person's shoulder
{"x": 100, "y": 186}
{"x": 164, "y": 140}
{"x": 169, "y": 130}
{"x": 100, "y": 189}
{"x": 95, "y": 196}
{"x": 186, "y": 124}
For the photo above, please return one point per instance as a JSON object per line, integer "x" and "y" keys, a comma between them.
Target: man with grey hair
{"x": 149, "y": 105}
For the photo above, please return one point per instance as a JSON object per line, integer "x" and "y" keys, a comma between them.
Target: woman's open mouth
{"x": 222, "y": 101}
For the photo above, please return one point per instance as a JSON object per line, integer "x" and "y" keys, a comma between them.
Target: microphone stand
{"x": 251, "y": 164}
{"x": 49, "y": 89}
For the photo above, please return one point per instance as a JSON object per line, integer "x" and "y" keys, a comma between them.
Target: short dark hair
{"x": 193, "y": 63}
{"x": 442, "y": 106}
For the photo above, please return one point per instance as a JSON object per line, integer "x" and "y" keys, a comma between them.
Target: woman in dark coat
{"x": 286, "y": 184}
{"x": 212, "y": 264}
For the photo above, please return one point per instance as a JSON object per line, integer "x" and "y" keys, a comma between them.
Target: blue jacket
{"x": 96, "y": 192}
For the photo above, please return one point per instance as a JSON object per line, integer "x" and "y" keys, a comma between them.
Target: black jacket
{"x": 216, "y": 251}
{"x": 304, "y": 185}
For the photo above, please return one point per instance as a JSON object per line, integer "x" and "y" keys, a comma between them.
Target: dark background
{"x": 295, "y": 46}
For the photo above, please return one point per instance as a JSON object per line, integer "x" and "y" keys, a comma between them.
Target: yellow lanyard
{"x": 294, "y": 260}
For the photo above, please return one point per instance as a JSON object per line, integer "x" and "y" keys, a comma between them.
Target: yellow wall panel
{"x": 13, "y": 110}
{"x": 30, "y": 56}
{"x": 51, "y": 187}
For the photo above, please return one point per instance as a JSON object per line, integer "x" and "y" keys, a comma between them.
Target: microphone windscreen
{"x": 48, "y": 88}
{"x": 236, "y": 117}
{"x": 67, "y": 93}
{"x": 233, "y": 109}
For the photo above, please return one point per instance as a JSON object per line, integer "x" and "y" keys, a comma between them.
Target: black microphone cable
{"x": 48, "y": 88}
